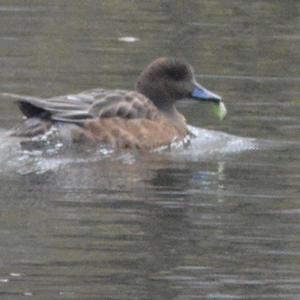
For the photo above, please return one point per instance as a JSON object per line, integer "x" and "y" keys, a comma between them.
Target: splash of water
{"x": 47, "y": 152}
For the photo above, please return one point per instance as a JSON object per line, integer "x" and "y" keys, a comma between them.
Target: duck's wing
{"x": 123, "y": 104}
{"x": 97, "y": 103}
{"x": 48, "y": 109}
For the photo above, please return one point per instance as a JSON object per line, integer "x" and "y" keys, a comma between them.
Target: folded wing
{"x": 91, "y": 104}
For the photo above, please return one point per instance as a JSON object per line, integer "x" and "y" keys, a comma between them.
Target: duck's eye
{"x": 178, "y": 73}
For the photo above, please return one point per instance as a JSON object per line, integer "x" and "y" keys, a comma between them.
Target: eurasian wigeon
{"x": 143, "y": 119}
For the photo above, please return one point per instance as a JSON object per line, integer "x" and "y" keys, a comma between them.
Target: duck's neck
{"x": 176, "y": 118}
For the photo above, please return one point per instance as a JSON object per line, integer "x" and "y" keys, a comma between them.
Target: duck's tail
{"x": 37, "y": 121}
{"x": 29, "y": 106}
{"x": 19, "y": 97}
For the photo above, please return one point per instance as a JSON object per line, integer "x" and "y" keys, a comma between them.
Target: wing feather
{"x": 96, "y": 103}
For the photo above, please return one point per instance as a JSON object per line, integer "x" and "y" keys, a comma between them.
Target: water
{"x": 216, "y": 220}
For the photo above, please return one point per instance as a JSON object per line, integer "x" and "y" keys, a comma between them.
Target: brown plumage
{"x": 142, "y": 119}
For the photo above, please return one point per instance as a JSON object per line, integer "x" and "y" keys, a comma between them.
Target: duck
{"x": 145, "y": 118}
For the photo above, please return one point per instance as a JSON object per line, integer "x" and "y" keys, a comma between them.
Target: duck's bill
{"x": 201, "y": 93}
{"x": 219, "y": 109}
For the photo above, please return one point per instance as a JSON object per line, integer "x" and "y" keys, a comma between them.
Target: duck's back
{"x": 96, "y": 103}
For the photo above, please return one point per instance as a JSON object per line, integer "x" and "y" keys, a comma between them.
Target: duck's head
{"x": 167, "y": 80}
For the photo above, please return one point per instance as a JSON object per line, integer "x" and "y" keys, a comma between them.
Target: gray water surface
{"x": 219, "y": 219}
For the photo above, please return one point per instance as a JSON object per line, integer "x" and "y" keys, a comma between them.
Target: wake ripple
{"x": 53, "y": 154}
